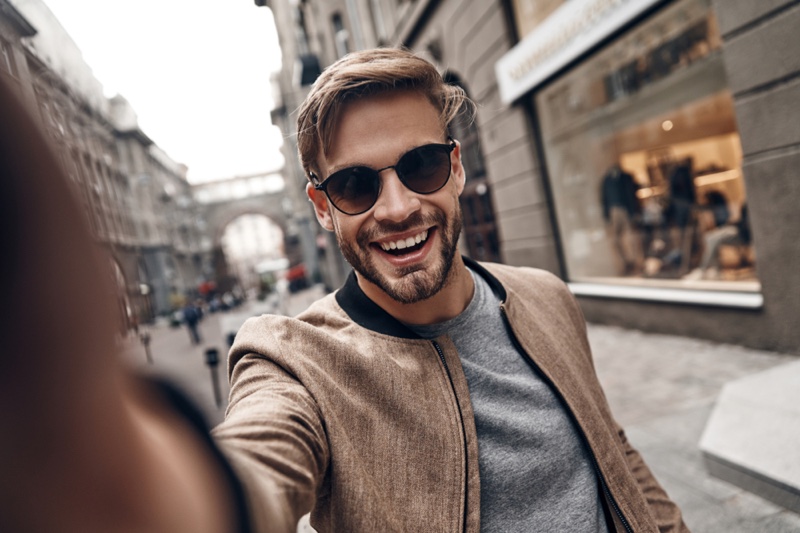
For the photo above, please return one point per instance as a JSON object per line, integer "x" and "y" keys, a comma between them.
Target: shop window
{"x": 480, "y": 227}
{"x": 645, "y": 162}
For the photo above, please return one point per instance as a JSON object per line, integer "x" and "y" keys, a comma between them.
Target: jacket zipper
{"x": 547, "y": 380}
{"x": 461, "y": 418}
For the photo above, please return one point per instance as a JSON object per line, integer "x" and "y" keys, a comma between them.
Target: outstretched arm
{"x": 84, "y": 446}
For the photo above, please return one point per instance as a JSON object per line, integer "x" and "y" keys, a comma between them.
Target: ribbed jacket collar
{"x": 370, "y": 315}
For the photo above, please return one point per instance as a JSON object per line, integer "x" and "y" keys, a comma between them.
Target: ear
{"x": 457, "y": 169}
{"x": 321, "y": 207}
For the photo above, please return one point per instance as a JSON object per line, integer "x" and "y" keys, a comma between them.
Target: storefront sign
{"x": 571, "y": 30}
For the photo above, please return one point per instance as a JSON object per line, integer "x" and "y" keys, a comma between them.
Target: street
{"x": 661, "y": 388}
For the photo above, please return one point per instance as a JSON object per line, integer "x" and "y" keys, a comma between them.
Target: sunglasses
{"x": 354, "y": 190}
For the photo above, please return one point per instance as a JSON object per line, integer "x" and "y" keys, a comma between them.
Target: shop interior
{"x": 644, "y": 159}
{"x": 706, "y": 153}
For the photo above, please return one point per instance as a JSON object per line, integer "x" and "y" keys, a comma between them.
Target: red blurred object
{"x": 296, "y": 272}
{"x": 206, "y": 287}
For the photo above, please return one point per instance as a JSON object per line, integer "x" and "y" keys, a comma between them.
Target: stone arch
{"x": 219, "y": 215}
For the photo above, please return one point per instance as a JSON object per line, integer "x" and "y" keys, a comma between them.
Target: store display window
{"x": 644, "y": 160}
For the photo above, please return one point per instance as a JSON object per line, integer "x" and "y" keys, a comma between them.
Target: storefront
{"x": 642, "y": 155}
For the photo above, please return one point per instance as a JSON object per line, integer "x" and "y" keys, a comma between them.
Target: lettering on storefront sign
{"x": 571, "y": 30}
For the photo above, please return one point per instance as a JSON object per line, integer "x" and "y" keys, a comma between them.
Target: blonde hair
{"x": 368, "y": 73}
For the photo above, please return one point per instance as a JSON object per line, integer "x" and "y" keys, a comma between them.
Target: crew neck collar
{"x": 370, "y": 315}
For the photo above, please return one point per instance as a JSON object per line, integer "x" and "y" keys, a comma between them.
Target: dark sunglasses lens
{"x": 353, "y": 190}
{"x": 425, "y": 169}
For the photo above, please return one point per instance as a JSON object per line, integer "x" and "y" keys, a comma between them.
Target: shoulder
{"x": 292, "y": 340}
{"x": 268, "y": 328}
{"x": 538, "y": 292}
{"x": 526, "y": 279}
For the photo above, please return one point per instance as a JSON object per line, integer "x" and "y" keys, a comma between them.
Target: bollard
{"x": 212, "y": 360}
{"x": 145, "y": 338}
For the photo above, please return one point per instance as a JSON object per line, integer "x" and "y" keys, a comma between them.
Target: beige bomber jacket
{"x": 346, "y": 413}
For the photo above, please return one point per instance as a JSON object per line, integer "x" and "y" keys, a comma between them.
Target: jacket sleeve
{"x": 274, "y": 439}
{"x": 667, "y": 514}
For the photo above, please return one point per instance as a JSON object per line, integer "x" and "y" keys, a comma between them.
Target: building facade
{"x": 138, "y": 203}
{"x": 642, "y": 150}
{"x": 302, "y": 54}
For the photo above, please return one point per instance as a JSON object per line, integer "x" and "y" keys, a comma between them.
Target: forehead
{"x": 376, "y": 130}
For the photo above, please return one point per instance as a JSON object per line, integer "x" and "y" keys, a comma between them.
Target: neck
{"x": 444, "y": 305}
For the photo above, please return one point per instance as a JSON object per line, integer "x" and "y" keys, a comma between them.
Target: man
{"x": 430, "y": 393}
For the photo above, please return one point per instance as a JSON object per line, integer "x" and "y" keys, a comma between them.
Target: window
{"x": 7, "y": 58}
{"x": 644, "y": 160}
{"x": 379, "y": 21}
{"x": 341, "y": 37}
{"x": 480, "y": 227}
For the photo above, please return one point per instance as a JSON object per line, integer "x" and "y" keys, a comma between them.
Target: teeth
{"x": 405, "y": 243}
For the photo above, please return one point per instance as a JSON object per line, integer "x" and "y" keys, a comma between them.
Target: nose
{"x": 396, "y": 202}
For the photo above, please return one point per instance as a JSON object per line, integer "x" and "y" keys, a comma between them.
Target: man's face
{"x": 375, "y": 132}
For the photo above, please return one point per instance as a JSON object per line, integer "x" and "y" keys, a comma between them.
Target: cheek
{"x": 344, "y": 229}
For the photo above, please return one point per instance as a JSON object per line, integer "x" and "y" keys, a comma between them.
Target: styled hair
{"x": 368, "y": 73}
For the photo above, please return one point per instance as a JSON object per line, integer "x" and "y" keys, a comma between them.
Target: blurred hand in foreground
{"x": 85, "y": 447}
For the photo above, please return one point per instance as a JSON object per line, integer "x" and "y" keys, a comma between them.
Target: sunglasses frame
{"x": 323, "y": 186}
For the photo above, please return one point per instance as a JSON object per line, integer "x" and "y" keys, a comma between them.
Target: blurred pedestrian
{"x": 191, "y": 317}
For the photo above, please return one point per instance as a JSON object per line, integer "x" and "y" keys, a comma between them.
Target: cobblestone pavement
{"x": 661, "y": 388}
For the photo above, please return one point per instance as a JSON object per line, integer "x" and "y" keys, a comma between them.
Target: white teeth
{"x": 405, "y": 243}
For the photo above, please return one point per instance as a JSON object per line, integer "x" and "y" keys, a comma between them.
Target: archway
{"x": 252, "y": 245}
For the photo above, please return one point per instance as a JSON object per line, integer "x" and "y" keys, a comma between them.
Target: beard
{"x": 414, "y": 283}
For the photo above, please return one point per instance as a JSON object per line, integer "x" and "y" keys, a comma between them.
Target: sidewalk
{"x": 661, "y": 388}
{"x": 175, "y": 358}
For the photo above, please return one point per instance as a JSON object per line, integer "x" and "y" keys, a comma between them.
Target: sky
{"x": 195, "y": 71}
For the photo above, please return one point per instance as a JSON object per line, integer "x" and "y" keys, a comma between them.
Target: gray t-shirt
{"x": 536, "y": 474}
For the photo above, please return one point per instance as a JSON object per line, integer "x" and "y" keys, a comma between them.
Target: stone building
{"x": 138, "y": 203}
{"x": 300, "y": 57}
{"x": 14, "y": 28}
{"x": 644, "y": 151}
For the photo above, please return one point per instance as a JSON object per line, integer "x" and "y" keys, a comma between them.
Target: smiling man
{"x": 430, "y": 393}
{"x": 403, "y": 246}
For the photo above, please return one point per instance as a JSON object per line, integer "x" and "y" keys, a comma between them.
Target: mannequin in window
{"x": 621, "y": 211}
{"x": 682, "y": 199}
{"x": 719, "y": 230}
